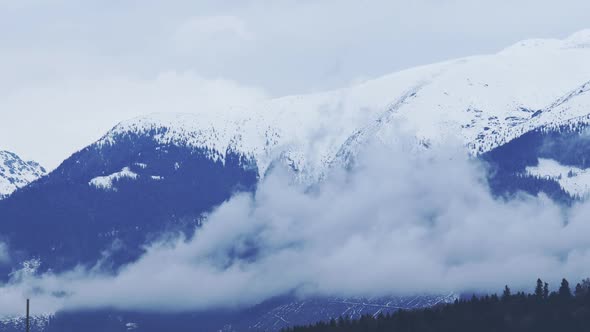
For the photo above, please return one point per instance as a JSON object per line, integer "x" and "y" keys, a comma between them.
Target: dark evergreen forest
{"x": 563, "y": 310}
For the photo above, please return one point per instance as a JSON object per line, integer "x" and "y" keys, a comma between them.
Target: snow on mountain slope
{"x": 308, "y": 311}
{"x": 484, "y": 101}
{"x": 573, "y": 180}
{"x": 16, "y": 173}
{"x": 37, "y": 323}
{"x": 107, "y": 182}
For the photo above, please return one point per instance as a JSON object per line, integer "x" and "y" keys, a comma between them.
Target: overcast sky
{"x": 70, "y": 70}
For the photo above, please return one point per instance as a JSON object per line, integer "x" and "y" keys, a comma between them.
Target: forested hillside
{"x": 564, "y": 310}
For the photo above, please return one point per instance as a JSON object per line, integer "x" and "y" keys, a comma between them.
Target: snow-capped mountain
{"x": 484, "y": 101}
{"x": 504, "y": 107}
{"x": 16, "y": 173}
{"x": 525, "y": 110}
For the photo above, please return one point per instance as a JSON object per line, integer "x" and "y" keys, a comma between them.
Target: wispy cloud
{"x": 398, "y": 223}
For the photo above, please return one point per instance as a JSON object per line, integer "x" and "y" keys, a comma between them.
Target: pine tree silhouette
{"x": 520, "y": 312}
{"x": 506, "y": 294}
{"x": 564, "y": 289}
{"x": 539, "y": 289}
{"x": 546, "y": 291}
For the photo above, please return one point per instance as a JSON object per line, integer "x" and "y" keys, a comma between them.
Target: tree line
{"x": 563, "y": 310}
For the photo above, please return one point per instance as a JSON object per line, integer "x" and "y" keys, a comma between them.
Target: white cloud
{"x": 391, "y": 226}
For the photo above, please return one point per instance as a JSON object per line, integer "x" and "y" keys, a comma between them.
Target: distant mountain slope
{"x": 16, "y": 173}
{"x": 115, "y": 199}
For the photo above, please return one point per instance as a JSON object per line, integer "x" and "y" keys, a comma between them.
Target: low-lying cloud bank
{"x": 398, "y": 223}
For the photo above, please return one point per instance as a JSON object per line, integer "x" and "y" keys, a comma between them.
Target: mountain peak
{"x": 484, "y": 101}
{"x": 580, "y": 39}
{"x": 16, "y": 173}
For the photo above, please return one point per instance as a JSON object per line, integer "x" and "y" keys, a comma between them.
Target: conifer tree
{"x": 546, "y": 291}
{"x": 539, "y": 289}
{"x": 523, "y": 313}
{"x": 564, "y": 289}
{"x": 506, "y": 294}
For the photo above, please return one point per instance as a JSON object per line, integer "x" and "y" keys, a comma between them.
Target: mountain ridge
{"x": 483, "y": 101}
{"x": 16, "y": 173}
